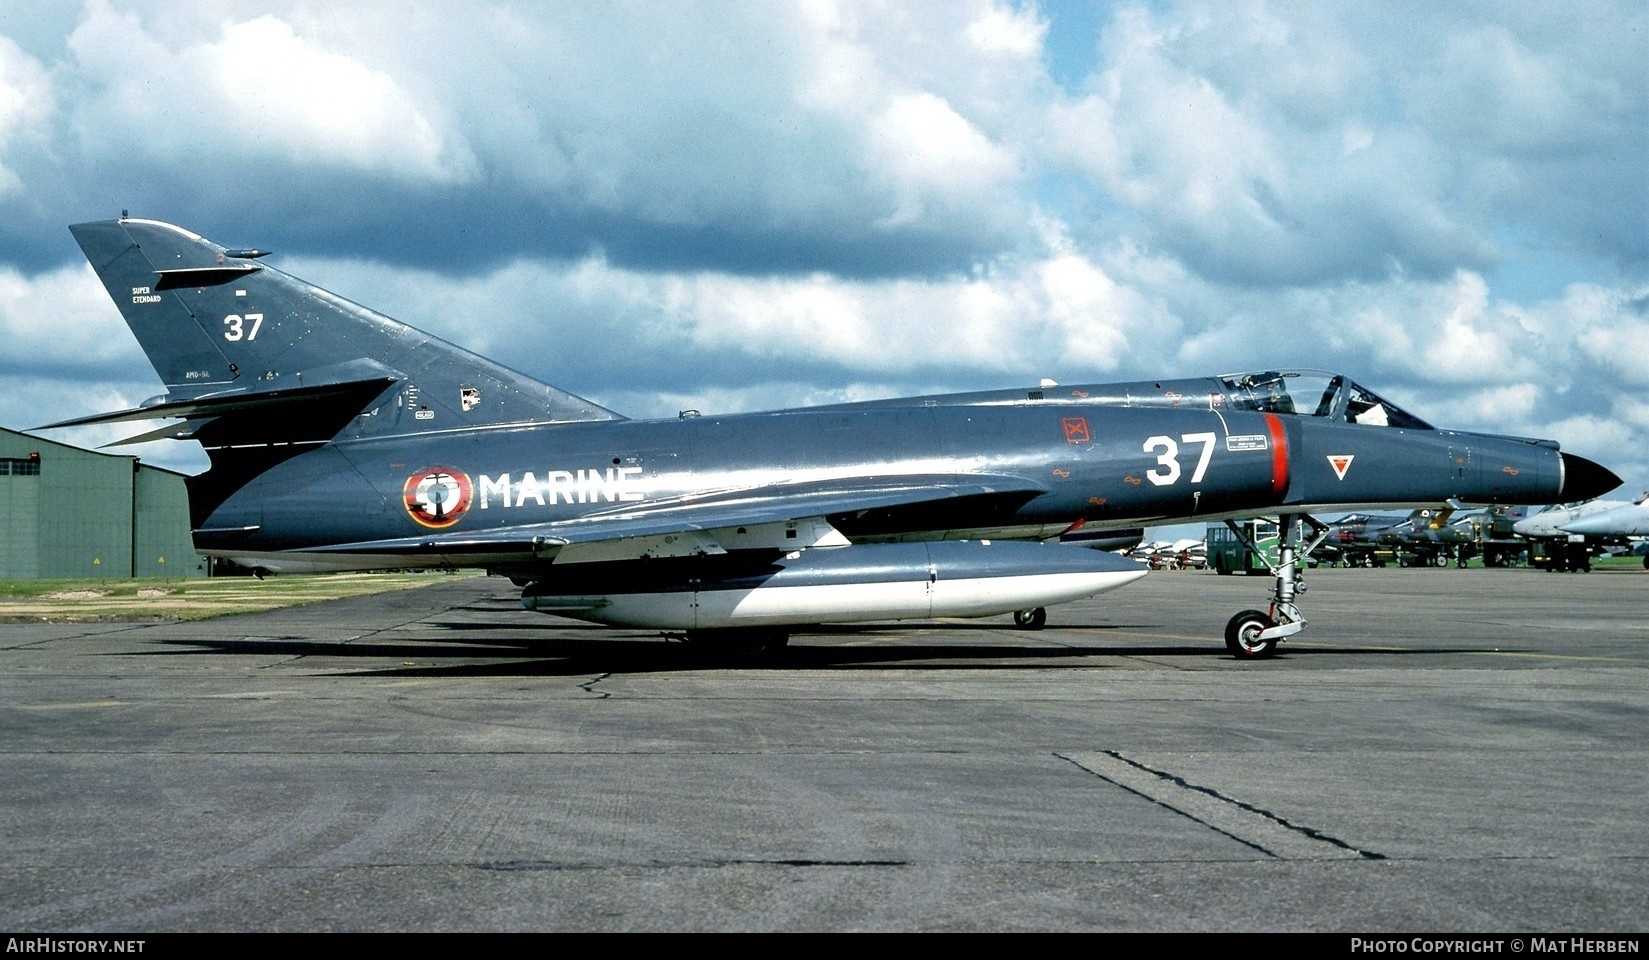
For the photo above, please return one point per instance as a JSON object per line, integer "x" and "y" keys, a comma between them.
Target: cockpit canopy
{"x": 1315, "y": 393}
{"x": 1302, "y": 393}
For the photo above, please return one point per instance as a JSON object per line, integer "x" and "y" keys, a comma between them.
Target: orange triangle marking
{"x": 1341, "y": 464}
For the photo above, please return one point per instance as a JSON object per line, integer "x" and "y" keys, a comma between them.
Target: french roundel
{"x": 438, "y": 496}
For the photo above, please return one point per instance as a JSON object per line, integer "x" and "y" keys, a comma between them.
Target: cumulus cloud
{"x": 933, "y": 155}
{"x": 258, "y": 90}
{"x": 1612, "y": 330}
{"x": 1008, "y": 32}
{"x": 1059, "y": 314}
{"x": 1277, "y": 175}
{"x": 1446, "y": 332}
{"x": 62, "y": 321}
{"x": 1517, "y": 93}
{"x": 26, "y": 104}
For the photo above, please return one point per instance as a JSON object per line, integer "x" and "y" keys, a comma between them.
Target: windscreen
{"x": 1314, "y": 393}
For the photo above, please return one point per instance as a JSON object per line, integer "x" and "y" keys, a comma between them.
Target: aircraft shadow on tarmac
{"x": 606, "y": 650}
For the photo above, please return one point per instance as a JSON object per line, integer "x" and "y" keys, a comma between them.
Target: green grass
{"x": 71, "y": 601}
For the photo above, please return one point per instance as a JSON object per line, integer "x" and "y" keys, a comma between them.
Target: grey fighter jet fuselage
{"x": 341, "y": 439}
{"x": 1622, "y": 520}
{"x": 1565, "y": 536}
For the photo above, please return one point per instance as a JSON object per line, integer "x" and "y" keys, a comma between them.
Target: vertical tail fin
{"x": 252, "y": 355}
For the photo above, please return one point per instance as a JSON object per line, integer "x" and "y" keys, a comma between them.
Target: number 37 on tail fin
{"x": 340, "y": 439}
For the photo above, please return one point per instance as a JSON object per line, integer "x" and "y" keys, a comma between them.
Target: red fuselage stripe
{"x": 1279, "y": 454}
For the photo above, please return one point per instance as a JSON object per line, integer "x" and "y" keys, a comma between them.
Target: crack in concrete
{"x": 1246, "y": 823}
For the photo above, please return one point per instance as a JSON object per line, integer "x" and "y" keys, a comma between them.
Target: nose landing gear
{"x": 1254, "y": 634}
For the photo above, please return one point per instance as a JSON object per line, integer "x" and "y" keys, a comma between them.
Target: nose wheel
{"x": 1244, "y": 635}
{"x": 1254, "y": 634}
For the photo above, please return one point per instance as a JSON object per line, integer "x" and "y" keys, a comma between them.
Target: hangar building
{"x": 68, "y": 512}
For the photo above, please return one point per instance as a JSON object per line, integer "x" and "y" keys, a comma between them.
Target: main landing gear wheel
{"x": 1032, "y": 619}
{"x": 1242, "y": 635}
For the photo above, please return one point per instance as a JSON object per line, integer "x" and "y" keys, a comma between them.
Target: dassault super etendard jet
{"x": 341, "y": 439}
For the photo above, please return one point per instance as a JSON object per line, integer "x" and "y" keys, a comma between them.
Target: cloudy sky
{"x": 735, "y": 205}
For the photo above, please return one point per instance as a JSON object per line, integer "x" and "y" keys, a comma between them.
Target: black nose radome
{"x": 1584, "y": 480}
